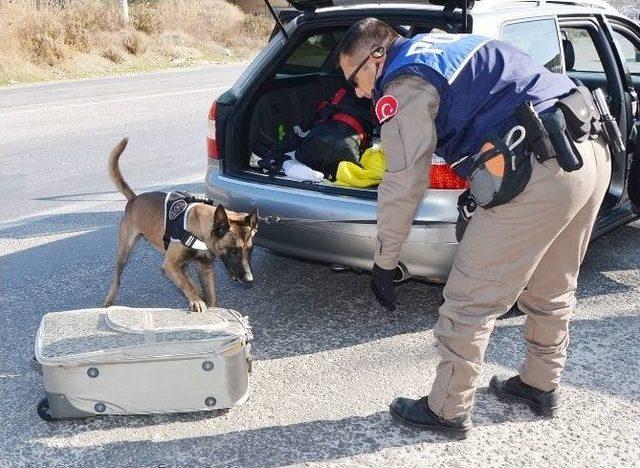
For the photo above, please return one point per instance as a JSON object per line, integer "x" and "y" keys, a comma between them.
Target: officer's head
{"x": 363, "y": 51}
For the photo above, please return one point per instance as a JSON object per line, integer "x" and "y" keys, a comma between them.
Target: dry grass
{"x": 216, "y": 25}
{"x": 146, "y": 18}
{"x": 41, "y": 38}
{"x": 77, "y": 38}
{"x": 113, "y": 55}
{"x": 135, "y": 43}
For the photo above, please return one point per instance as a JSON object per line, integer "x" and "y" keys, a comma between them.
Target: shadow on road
{"x": 602, "y": 356}
{"x": 615, "y": 251}
{"x": 62, "y": 224}
{"x": 82, "y": 196}
{"x": 320, "y": 440}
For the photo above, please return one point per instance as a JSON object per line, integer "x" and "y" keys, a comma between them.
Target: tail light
{"x": 442, "y": 176}
{"x": 212, "y": 145}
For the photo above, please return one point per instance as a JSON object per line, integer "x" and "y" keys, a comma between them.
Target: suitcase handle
{"x": 149, "y": 329}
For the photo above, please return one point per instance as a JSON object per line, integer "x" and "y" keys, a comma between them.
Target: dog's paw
{"x": 198, "y": 305}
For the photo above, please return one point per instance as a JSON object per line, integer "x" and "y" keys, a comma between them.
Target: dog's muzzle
{"x": 247, "y": 280}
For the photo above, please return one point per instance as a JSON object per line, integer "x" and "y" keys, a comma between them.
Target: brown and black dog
{"x": 226, "y": 234}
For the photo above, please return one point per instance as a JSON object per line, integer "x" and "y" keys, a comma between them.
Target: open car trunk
{"x": 305, "y": 74}
{"x": 288, "y": 98}
{"x": 292, "y": 104}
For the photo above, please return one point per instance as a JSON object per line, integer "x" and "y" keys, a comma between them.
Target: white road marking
{"x": 33, "y": 108}
{"x": 10, "y": 246}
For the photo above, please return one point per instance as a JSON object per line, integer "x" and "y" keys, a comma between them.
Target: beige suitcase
{"x": 123, "y": 360}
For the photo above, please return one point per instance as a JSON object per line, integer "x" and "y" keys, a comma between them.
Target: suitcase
{"x": 123, "y": 360}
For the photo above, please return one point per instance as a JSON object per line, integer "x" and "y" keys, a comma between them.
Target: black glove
{"x": 382, "y": 286}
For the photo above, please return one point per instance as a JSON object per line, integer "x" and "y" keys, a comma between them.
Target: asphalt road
{"x": 55, "y": 138}
{"x": 328, "y": 359}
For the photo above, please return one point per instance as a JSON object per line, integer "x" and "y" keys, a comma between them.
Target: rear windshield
{"x": 318, "y": 51}
{"x": 311, "y": 54}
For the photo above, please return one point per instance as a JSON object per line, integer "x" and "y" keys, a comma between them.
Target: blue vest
{"x": 480, "y": 81}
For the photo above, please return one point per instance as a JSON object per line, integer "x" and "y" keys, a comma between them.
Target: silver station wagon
{"x": 298, "y": 68}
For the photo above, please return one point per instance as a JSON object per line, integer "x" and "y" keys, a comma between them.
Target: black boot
{"x": 513, "y": 389}
{"x": 416, "y": 413}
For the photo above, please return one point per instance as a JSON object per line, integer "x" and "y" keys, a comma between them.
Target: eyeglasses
{"x": 351, "y": 81}
{"x": 377, "y": 51}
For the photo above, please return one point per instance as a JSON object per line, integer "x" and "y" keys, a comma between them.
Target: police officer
{"x": 447, "y": 93}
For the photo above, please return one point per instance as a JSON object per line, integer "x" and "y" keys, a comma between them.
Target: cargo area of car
{"x": 288, "y": 96}
{"x": 286, "y": 103}
{"x": 288, "y": 99}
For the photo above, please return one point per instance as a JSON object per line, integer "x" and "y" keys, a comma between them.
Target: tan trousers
{"x": 537, "y": 241}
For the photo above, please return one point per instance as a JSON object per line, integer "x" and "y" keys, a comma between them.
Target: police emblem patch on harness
{"x": 386, "y": 107}
{"x": 176, "y": 208}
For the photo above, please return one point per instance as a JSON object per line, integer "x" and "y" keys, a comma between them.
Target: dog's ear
{"x": 252, "y": 219}
{"x": 220, "y": 222}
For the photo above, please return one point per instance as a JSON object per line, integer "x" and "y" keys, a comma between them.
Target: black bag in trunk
{"x": 340, "y": 132}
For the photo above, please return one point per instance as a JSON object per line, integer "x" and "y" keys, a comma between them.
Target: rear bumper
{"x": 428, "y": 252}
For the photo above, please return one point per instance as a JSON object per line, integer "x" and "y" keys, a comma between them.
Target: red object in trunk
{"x": 442, "y": 176}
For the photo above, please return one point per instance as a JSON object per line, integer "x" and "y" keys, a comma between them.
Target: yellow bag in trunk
{"x": 373, "y": 165}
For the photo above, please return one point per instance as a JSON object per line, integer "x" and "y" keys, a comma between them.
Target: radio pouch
{"x": 581, "y": 115}
{"x": 499, "y": 174}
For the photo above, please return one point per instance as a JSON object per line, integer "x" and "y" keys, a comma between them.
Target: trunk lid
{"x": 310, "y": 5}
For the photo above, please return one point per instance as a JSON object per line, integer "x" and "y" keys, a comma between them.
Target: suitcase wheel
{"x": 35, "y": 365}
{"x": 43, "y": 410}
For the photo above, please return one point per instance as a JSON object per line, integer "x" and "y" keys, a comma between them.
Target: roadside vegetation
{"x": 62, "y": 39}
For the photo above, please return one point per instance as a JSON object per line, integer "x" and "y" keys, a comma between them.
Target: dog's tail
{"x": 114, "y": 170}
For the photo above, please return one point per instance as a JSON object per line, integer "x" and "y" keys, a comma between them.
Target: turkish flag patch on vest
{"x": 386, "y": 107}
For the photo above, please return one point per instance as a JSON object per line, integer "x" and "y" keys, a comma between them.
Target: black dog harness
{"x": 176, "y": 207}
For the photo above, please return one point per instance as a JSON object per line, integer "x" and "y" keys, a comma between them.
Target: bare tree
{"x": 124, "y": 10}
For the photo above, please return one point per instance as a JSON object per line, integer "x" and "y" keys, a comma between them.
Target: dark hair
{"x": 364, "y": 34}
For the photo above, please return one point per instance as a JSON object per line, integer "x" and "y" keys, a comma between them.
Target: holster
{"x": 567, "y": 154}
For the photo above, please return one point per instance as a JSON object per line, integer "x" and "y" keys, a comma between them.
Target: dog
{"x": 220, "y": 233}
